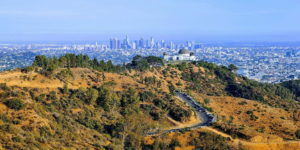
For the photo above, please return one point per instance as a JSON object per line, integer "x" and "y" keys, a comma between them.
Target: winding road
{"x": 205, "y": 118}
{"x": 204, "y": 115}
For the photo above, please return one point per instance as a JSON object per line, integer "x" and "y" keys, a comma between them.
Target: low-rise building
{"x": 183, "y": 55}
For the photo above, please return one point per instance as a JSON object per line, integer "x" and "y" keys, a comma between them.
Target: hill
{"x": 74, "y": 102}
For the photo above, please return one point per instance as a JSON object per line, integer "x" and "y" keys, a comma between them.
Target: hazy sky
{"x": 27, "y": 20}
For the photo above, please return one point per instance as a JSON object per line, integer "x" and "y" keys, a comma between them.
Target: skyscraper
{"x": 141, "y": 43}
{"x": 134, "y": 46}
{"x": 163, "y": 44}
{"x": 96, "y": 46}
{"x": 114, "y": 43}
{"x": 126, "y": 43}
{"x": 172, "y": 45}
{"x": 152, "y": 43}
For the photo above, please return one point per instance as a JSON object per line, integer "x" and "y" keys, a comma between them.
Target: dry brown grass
{"x": 82, "y": 77}
{"x": 268, "y": 131}
{"x": 32, "y": 80}
{"x": 269, "y": 120}
{"x": 185, "y": 138}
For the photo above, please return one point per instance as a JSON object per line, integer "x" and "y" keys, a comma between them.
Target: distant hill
{"x": 74, "y": 102}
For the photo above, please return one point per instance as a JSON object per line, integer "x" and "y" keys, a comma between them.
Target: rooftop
{"x": 184, "y": 51}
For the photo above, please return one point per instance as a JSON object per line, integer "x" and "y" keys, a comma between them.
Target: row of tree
{"x": 143, "y": 63}
{"x": 49, "y": 64}
{"x": 73, "y": 61}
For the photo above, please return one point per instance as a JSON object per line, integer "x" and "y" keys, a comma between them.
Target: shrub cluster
{"x": 15, "y": 104}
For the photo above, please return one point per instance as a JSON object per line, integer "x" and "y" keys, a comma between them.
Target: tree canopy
{"x": 73, "y": 61}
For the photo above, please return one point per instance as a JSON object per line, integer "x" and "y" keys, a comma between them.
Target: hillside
{"x": 75, "y": 102}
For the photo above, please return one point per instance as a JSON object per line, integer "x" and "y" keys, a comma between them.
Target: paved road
{"x": 204, "y": 115}
{"x": 205, "y": 118}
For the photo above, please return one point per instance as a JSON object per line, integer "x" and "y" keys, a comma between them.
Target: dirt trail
{"x": 194, "y": 120}
{"x": 218, "y": 132}
{"x": 278, "y": 145}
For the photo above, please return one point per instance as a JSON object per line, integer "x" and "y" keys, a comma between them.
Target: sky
{"x": 202, "y": 20}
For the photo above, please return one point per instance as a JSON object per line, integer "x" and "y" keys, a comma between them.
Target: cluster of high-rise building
{"x": 115, "y": 43}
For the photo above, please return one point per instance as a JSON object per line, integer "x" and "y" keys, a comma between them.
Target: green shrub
{"x": 8, "y": 128}
{"x": 146, "y": 96}
{"x": 27, "y": 69}
{"x": 297, "y": 133}
{"x": 41, "y": 98}
{"x": 4, "y": 87}
{"x": 174, "y": 143}
{"x": 4, "y": 118}
{"x": 179, "y": 114}
{"x": 206, "y": 100}
{"x": 52, "y": 95}
{"x": 91, "y": 96}
{"x": 155, "y": 115}
{"x": 16, "y": 139}
{"x": 179, "y": 84}
{"x": 16, "y": 121}
{"x": 15, "y": 104}
{"x": 208, "y": 108}
{"x": 242, "y": 103}
{"x": 249, "y": 112}
{"x": 90, "y": 123}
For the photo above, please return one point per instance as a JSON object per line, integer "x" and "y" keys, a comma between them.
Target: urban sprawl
{"x": 265, "y": 62}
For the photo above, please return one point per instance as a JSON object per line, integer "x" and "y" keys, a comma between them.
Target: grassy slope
{"x": 250, "y": 118}
{"x": 56, "y": 119}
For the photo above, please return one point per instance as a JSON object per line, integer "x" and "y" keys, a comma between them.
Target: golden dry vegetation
{"x": 242, "y": 123}
{"x": 253, "y": 117}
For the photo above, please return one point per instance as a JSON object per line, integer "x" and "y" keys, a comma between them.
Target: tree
{"x": 49, "y": 65}
{"x": 134, "y": 127}
{"x": 130, "y": 97}
{"x": 153, "y": 60}
{"x": 143, "y": 63}
{"x": 92, "y": 95}
{"x": 232, "y": 67}
{"x": 40, "y": 61}
{"x": 65, "y": 89}
{"x": 293, "y": 86}
{"x": 171, "y": 88}
{"x": 107, "y": 100}
{"x": 103, "y": 76}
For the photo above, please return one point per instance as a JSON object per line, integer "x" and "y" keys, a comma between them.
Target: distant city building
{"x": 197, "y": 46}
{"x": 172, "y": 45}
{"x": 163, "y": 44}
{"x": 134, "y": 45}
{"x": 183, "y": 55}
{"x": 141, "y": 43}
{"x": 152, "y": 43}
{"x": 267, "y": 63}
{"x": 114, "y": 43}
{"x": 126, "y": 43}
